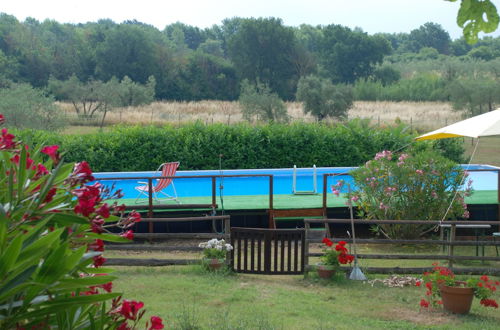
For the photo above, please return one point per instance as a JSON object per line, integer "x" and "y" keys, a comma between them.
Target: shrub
{"x": 26, "y": 107}
{"x": 197, "y": 146}
{"x": 323, "y": 99}
{"x": 258, "y": 101}
{"x": 419, "y": 186}
{"x": 53, "y": 225}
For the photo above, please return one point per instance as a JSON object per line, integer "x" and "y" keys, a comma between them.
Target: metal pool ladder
{"x": 306, "y": 192}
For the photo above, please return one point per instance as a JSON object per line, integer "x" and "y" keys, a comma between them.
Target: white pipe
{"x": 294, "y": 185}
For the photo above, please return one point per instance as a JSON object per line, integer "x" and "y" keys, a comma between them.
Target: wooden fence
{"x": 267, "y": 251}
{"x": 451, "y": 257}
{"x": 168, "y": 248}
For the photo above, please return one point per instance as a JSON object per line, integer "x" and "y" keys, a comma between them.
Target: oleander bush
{"x": 53, "y": 225}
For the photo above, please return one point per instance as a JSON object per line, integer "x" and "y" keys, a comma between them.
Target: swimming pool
{"x": 487, "y": 179}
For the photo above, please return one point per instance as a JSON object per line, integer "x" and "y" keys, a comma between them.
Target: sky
{"x": 371, "y": 16}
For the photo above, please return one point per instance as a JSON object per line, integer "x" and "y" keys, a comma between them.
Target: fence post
{"x": 307, "y": 227}
{"x": 451, "y": 247}
{"x": 150, "y": 200}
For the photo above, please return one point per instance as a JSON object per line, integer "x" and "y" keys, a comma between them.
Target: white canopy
{"x": 486, "y": 124}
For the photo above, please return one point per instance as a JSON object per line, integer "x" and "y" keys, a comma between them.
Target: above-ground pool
{"x": 259, "y": 185}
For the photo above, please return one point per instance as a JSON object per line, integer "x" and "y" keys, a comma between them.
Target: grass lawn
{"x": 188, "y": 297}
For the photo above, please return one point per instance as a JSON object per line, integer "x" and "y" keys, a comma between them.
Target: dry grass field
{"x": 423, "y": 115}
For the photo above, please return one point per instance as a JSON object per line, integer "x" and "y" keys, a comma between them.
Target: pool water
{"x": 283, "y": 181}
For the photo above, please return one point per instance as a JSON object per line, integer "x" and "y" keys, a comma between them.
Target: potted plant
{"x": 454, "y": 295}
{"x": 332, "y": 258}
{"x": 214, "y": 253}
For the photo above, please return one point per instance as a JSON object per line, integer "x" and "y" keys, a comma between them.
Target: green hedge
{"x": 198, "y": 146}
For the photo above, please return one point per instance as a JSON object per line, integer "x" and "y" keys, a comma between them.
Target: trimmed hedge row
{"x": 198, "y": 146}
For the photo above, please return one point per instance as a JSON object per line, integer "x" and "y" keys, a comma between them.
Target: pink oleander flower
{"x": 51, "y": 151}
{"x": 6, "y": 140}
{"x": 103, "y": 211}
{"x": 83, "y": 173}
{"x": 130, "y": 308}
{"x": 99, "y": 261}
{"x": 129, "y": 234}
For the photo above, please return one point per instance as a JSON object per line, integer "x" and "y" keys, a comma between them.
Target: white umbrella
{"x": 486, "y": 124}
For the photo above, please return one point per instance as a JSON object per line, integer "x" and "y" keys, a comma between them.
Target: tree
{"x": 26, "y": 107}
{"x": 475, "y": 96}
{"x": 127, "y": 50}
{"x": 476, "y": 16}
{"x": 257, "y": 100}
{"x": 323, "y": 99}
{"x": 261, "y": 50}
{"x": 386, "y": 74}
{"x": 429, "y": 35}
{"x": 347, "y": 55}
{"x": 86, "y": 98}
{"x": 209, "y": 77}
{"x": 97, "y": 96}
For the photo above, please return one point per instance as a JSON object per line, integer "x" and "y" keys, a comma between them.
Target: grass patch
{"x": 189, "y": 297}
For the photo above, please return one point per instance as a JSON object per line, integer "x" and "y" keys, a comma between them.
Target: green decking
{"x": 260, "y": 202}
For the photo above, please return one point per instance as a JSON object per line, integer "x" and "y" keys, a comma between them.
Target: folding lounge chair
{"x": 167, "y": 169}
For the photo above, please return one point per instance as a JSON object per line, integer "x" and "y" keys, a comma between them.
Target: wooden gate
{"x": 268, "y": 251}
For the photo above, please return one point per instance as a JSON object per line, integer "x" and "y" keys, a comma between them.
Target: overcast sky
{"x": 370, "y": 15}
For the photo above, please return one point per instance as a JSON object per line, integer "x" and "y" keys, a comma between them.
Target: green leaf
{"x": 60, "y": 304}
{"x": 12, "y": 286}
{"x": 100, "y": 270}
{"x": 9, "y": 257}
{"x": 68, "y": 219}
{"x": 476, "y": 16}
{"x": 109, "y": 237}
{"x": 83, "y": 282}
{"x": 42, "y": 243}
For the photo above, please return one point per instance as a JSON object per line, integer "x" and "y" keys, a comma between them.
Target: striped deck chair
{"x": 167, "y": 169}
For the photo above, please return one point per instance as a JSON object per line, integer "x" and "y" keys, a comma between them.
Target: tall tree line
{"x": 189, "y": 63}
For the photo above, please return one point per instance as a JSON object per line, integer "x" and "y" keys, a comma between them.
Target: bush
{"x": 26, "y": 107}
{"x": 323, "y": 99}
{"x": 53, "y": 225}
{"x": 414, "y": 186}
{"x": 258, "y": 101}
{"x": 197, "y": 146}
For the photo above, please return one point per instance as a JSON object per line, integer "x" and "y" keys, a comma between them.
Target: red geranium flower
{"x": 156, "y": 323}
{"x": 327, "y": 241}
{"x": 424, "y": 303}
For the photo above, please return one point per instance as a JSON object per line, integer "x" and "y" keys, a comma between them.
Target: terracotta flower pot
{"x": 457, "y": 299}
{"x": 325, "y": 271}
{"x": 215, "y": 264}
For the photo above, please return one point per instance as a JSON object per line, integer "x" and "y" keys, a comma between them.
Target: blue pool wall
{"x": 282, "y": 180}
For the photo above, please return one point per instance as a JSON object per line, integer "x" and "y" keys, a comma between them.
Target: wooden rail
{"x": 450, "y": 257}
{"x": 164, "y": 236}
